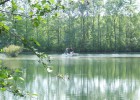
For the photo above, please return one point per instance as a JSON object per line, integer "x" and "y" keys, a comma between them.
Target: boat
{"x": 70, "y": 54}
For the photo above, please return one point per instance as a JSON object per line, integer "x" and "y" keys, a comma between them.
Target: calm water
{"x": 84, "y": 77}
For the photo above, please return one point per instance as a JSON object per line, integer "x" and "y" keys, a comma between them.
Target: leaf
{"x": 31, "y": 13}
{"x": 37, "y": 6}
{"x": 36, "y": 42}
{"x": 14, "y": 6}
{"x": 21, "y": 78}
{"x": 3, "y": 89}
{"x": 22, "y": 38}
{"x": 47, "y": 6}
{"x": 82, "y": 1}
{"x": 52, "y": 1}
{"x": 56, "y": 14}
{"x": 10, "y": 78}
{"x": 2, "y": 17}
{"x": 63, "y": 7}
{"x": 1, "y": 50}
{"x": 29, "y": 1}
{"x": 18, "y": 17}
{"x": 6, "y": 27}
{"x": 22, "y": 9}
{"x": 18, "y": 71}
{"x": 42, "y": 13}
{"x": 43, "y": 1}
{"x": 43, "y": 20}
{"x": 1, "y": 14}
{"x": 35, "y": 22}
{"x": 34, "y": 94}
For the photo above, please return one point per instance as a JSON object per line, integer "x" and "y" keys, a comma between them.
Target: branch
{"x": 2, "y": 2}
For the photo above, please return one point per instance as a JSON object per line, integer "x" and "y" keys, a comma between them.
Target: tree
{"x": 37, "y": 11}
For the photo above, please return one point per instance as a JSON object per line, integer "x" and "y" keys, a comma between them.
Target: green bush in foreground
{"x": 12, "y": 50}
{"x": 8, "y": 78}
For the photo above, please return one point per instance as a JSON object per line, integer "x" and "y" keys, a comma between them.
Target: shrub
{"x": 12, "y": 50}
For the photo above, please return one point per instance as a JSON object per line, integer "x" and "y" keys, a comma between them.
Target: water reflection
{"x": 89, "y": 78}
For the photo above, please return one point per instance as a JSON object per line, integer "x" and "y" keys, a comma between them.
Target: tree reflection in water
{"x": 83, "y": 79}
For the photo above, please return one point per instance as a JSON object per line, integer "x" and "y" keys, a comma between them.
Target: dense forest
{"x": 86, "y": 25}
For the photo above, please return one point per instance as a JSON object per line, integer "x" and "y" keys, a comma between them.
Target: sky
{"x": 138, "y": 1}
{"x": 138, "y": 4}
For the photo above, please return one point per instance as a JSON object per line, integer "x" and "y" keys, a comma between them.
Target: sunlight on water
{"x": 84, "y": 77}
{"x": 96, "y": 55}
{"x": 20, "y": 57}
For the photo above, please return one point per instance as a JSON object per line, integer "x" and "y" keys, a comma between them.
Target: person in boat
{"x": 67, "y": 51}
{"x": 71, "y": 51}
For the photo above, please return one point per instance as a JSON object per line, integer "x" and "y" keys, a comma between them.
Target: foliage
{"x": 13, "y": 15}
{"x": 87, "y": 26}
{"x": 12, "y": 50}
{"x": 111, "y": 26}
{"x": 8, "y": 77}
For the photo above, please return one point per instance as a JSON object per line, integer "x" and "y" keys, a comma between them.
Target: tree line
{"x": 92, "y": 26}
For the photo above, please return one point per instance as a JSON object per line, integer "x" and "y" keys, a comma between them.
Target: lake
{"x": 83, "y": 77}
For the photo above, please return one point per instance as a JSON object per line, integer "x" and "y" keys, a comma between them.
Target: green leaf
{"x": 43, "y": 20}
{"x": 42, "y": 13}
{"x": 1, "y": 50}
{"x": 31, "y": 14}
{"x": 36, "y": 42}
{"x": 22, "y": 38}
{"x": 6, "y": 27}
{"x": 82, "y": 1}
{"x": 1, "y": 24}
{"x": 14, "y": 6}
{"x": 36, "y": 22}
{"x": 63, "y": 7}
{"x": 43, "y": 1}
{"x": 3, "y": 89}
{"x": 37, "y": 6}
{"x": 39, "y": 18}
{"x": 1, "y": 14}
{"x": 56, "y": 14}
{"x": 22, "y": 9}
{"x": 34, "y": 94}
{"x": 21, "y": 78}
{"x": 52, "y": 1}
{"x": 18, "y": 17}
{"x": 29, "y": 1}
{"x": 18, "y": 71}
{"x": 47, "y": 6}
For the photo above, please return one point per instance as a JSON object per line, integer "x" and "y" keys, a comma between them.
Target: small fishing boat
{"x": 70, "y": 54}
